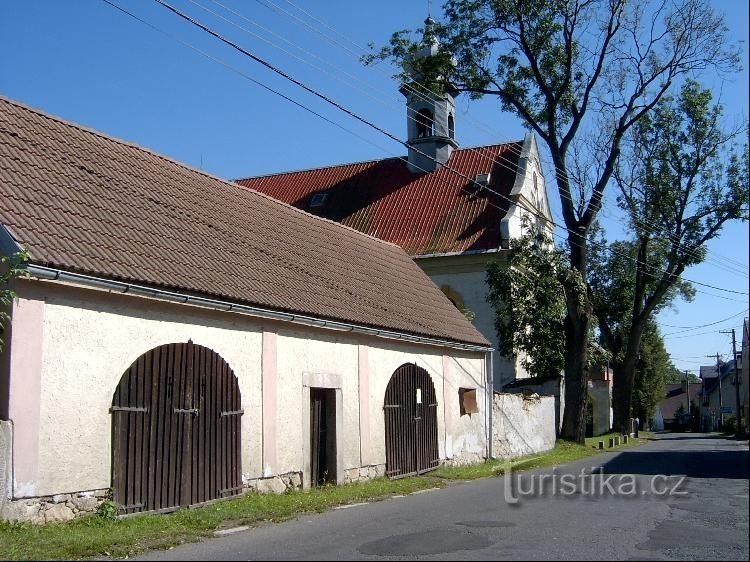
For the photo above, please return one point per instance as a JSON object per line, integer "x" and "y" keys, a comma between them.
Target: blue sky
{"x": 86, "y": 62}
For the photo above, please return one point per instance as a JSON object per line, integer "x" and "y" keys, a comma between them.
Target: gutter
{"x": 52, "y": 274}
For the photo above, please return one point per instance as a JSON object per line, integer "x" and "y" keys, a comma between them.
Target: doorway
{"x": 322, "y": 436}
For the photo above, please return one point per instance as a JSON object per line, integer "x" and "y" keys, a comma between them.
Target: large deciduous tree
{"x": 580, "y": 74}
{"x": 680, "y": 179}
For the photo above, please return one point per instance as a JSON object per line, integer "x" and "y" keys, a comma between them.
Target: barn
{"x": 177, "y": 338}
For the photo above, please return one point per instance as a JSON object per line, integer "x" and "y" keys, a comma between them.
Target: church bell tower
{"x": 430, "y": 116}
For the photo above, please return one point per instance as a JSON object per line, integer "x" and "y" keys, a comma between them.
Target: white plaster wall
{"x": 466, "y": 275}
{"x": 522, "y": 426}
{"x": 90, "y": 339}
{"x": 600, "y": 393}
{"x": 319, "y": 356}
{"x": 460, "y": 438}
{"x": 465, "y": 435}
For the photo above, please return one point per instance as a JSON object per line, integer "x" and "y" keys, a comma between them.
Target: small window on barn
{"x": 424, "y": 123}
{"x": 467, "y": 400}
{"x": 318, "y": 199}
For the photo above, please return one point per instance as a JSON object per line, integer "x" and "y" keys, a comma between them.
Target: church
{"x": 452, "y": 209}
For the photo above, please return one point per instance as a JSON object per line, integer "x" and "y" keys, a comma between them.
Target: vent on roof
{"x": 483, "y": 179}
{"x": 318, "y": 199}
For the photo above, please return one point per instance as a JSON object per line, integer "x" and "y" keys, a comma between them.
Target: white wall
{"x": 522, "y": 425}
{"x": 61, "y": 388}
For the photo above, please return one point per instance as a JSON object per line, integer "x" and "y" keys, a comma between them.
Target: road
{"x": 682, "y": 496}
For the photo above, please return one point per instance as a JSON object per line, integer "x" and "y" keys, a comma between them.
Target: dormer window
{"x": 451, "y": 127}
{"x": 424, "y": 123}
{"x": 318, "y": 199}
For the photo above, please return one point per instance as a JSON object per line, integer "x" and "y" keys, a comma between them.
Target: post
{"x": 721, "y": 400}
{"x": 687, "y": 391}
{"x": 738, "y": 416}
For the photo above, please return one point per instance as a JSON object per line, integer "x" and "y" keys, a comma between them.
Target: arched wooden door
{"x": 411, "y": 436}
{"x": 175, "y": 430}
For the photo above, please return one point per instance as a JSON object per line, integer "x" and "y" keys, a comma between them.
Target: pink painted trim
{"x": 270, "y": 406}
{"x": 449, "y": 394}
{"x": 365, "y": 440}
{"x": 26, "y": 346}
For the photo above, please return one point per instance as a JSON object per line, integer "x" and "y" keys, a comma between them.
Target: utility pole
{"x": 738, "y": 417}
{"x": 721, "y": 400}
{"x": 687, "y": 391}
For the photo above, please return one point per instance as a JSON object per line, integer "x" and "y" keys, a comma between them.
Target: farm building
{"x": 178, "y": 338}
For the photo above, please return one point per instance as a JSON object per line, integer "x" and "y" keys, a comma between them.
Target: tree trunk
{"x": 576, "y": 377}
{"x": 624, "y": 377}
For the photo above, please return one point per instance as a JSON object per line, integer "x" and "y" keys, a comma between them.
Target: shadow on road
{"x": 695, "y": 464}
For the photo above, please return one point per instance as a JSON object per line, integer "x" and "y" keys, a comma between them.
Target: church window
{"x": 451, "y": 127}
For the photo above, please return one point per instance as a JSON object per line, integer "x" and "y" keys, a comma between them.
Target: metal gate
{"x": 175, "y": 430}
{"x": 411, "y": 436}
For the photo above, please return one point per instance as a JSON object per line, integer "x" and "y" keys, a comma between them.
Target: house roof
{"x": 87, "y": 203}
{"x": 675, "y": 396}
{"x": 425, "y": 213}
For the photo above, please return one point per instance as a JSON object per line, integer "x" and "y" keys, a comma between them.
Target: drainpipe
{"x": 489, "y": 397}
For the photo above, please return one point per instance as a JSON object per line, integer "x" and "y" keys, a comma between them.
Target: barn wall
{"x": 84, "y": 340}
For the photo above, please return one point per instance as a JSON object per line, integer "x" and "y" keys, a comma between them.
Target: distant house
{"x": 180, "y": 338}
{"x": 719, "y": 399}
{"x": 453, "y": 210}
{"x": 679, "y": 400}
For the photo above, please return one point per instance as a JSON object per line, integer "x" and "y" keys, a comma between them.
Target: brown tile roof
{"x": 88, "y": 203}
{"x": 425, "y": 213}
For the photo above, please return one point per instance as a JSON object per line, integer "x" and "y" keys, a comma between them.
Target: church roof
{"x": 425, "y": 213}
{"x": 87, "y": 203}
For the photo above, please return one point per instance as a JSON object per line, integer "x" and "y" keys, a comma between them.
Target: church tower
{"x": 430, "y": 117}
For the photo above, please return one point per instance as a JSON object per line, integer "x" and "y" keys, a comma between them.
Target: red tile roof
{"x": 424, "y": 213}
{"x": 87, "y": 203}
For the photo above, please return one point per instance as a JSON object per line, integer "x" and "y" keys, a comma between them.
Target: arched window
{"x": 424, "y": 123}
{"x": 451, "y": 127}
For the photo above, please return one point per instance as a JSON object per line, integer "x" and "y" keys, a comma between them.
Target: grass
{"x": 93, "y": 536}
{"x": 563, "y": 452}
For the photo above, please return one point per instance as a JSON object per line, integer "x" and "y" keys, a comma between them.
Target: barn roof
{"x": 440, "y": 212}
{"x": 87, "y": 203}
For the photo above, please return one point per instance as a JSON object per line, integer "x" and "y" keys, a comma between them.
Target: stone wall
{"x": 48, "y": 509}
{"x": 522, "y": 424}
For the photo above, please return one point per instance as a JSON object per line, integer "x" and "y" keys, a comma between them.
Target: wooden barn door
{"x": 411, "y": 442}
{"x": 175, "y": 430}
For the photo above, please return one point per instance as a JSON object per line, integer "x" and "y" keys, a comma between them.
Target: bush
{"x": 730, "y": 424}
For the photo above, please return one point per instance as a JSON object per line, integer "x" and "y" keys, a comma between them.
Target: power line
{"x": 690, "y": 328}
{"x": 376, "y": 127}
{"x": 718, "y": 263}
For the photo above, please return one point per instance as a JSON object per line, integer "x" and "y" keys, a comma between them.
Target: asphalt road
{"x": 683, "y": 496}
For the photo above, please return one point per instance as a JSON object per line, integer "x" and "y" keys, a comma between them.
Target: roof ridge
{"x": 358, "y": 162}
{"x": 150, "y": 151}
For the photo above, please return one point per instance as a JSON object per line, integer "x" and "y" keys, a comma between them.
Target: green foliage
{"x": 675, "y": 376}
{"x": 10, "y": 268}
{"x": 580, "y": 75}
{"x": 651, "y": 372}
{"x": 527, "y": 296}
{"x": 107, "y": 510}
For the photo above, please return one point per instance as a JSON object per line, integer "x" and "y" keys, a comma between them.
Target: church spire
{"x": 430, "y": 115}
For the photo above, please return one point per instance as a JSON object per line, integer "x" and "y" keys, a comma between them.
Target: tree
{"x": 675, "y": 376}
{"x": 10, "y": 269}
{"x": 652, "y": 369}
{"x": 680, "y": 181}
{"x": 526, "y": 295}
{"x": 580, "y": 74}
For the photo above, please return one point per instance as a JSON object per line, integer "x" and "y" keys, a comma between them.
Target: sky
{"x": 86, "y": 62}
